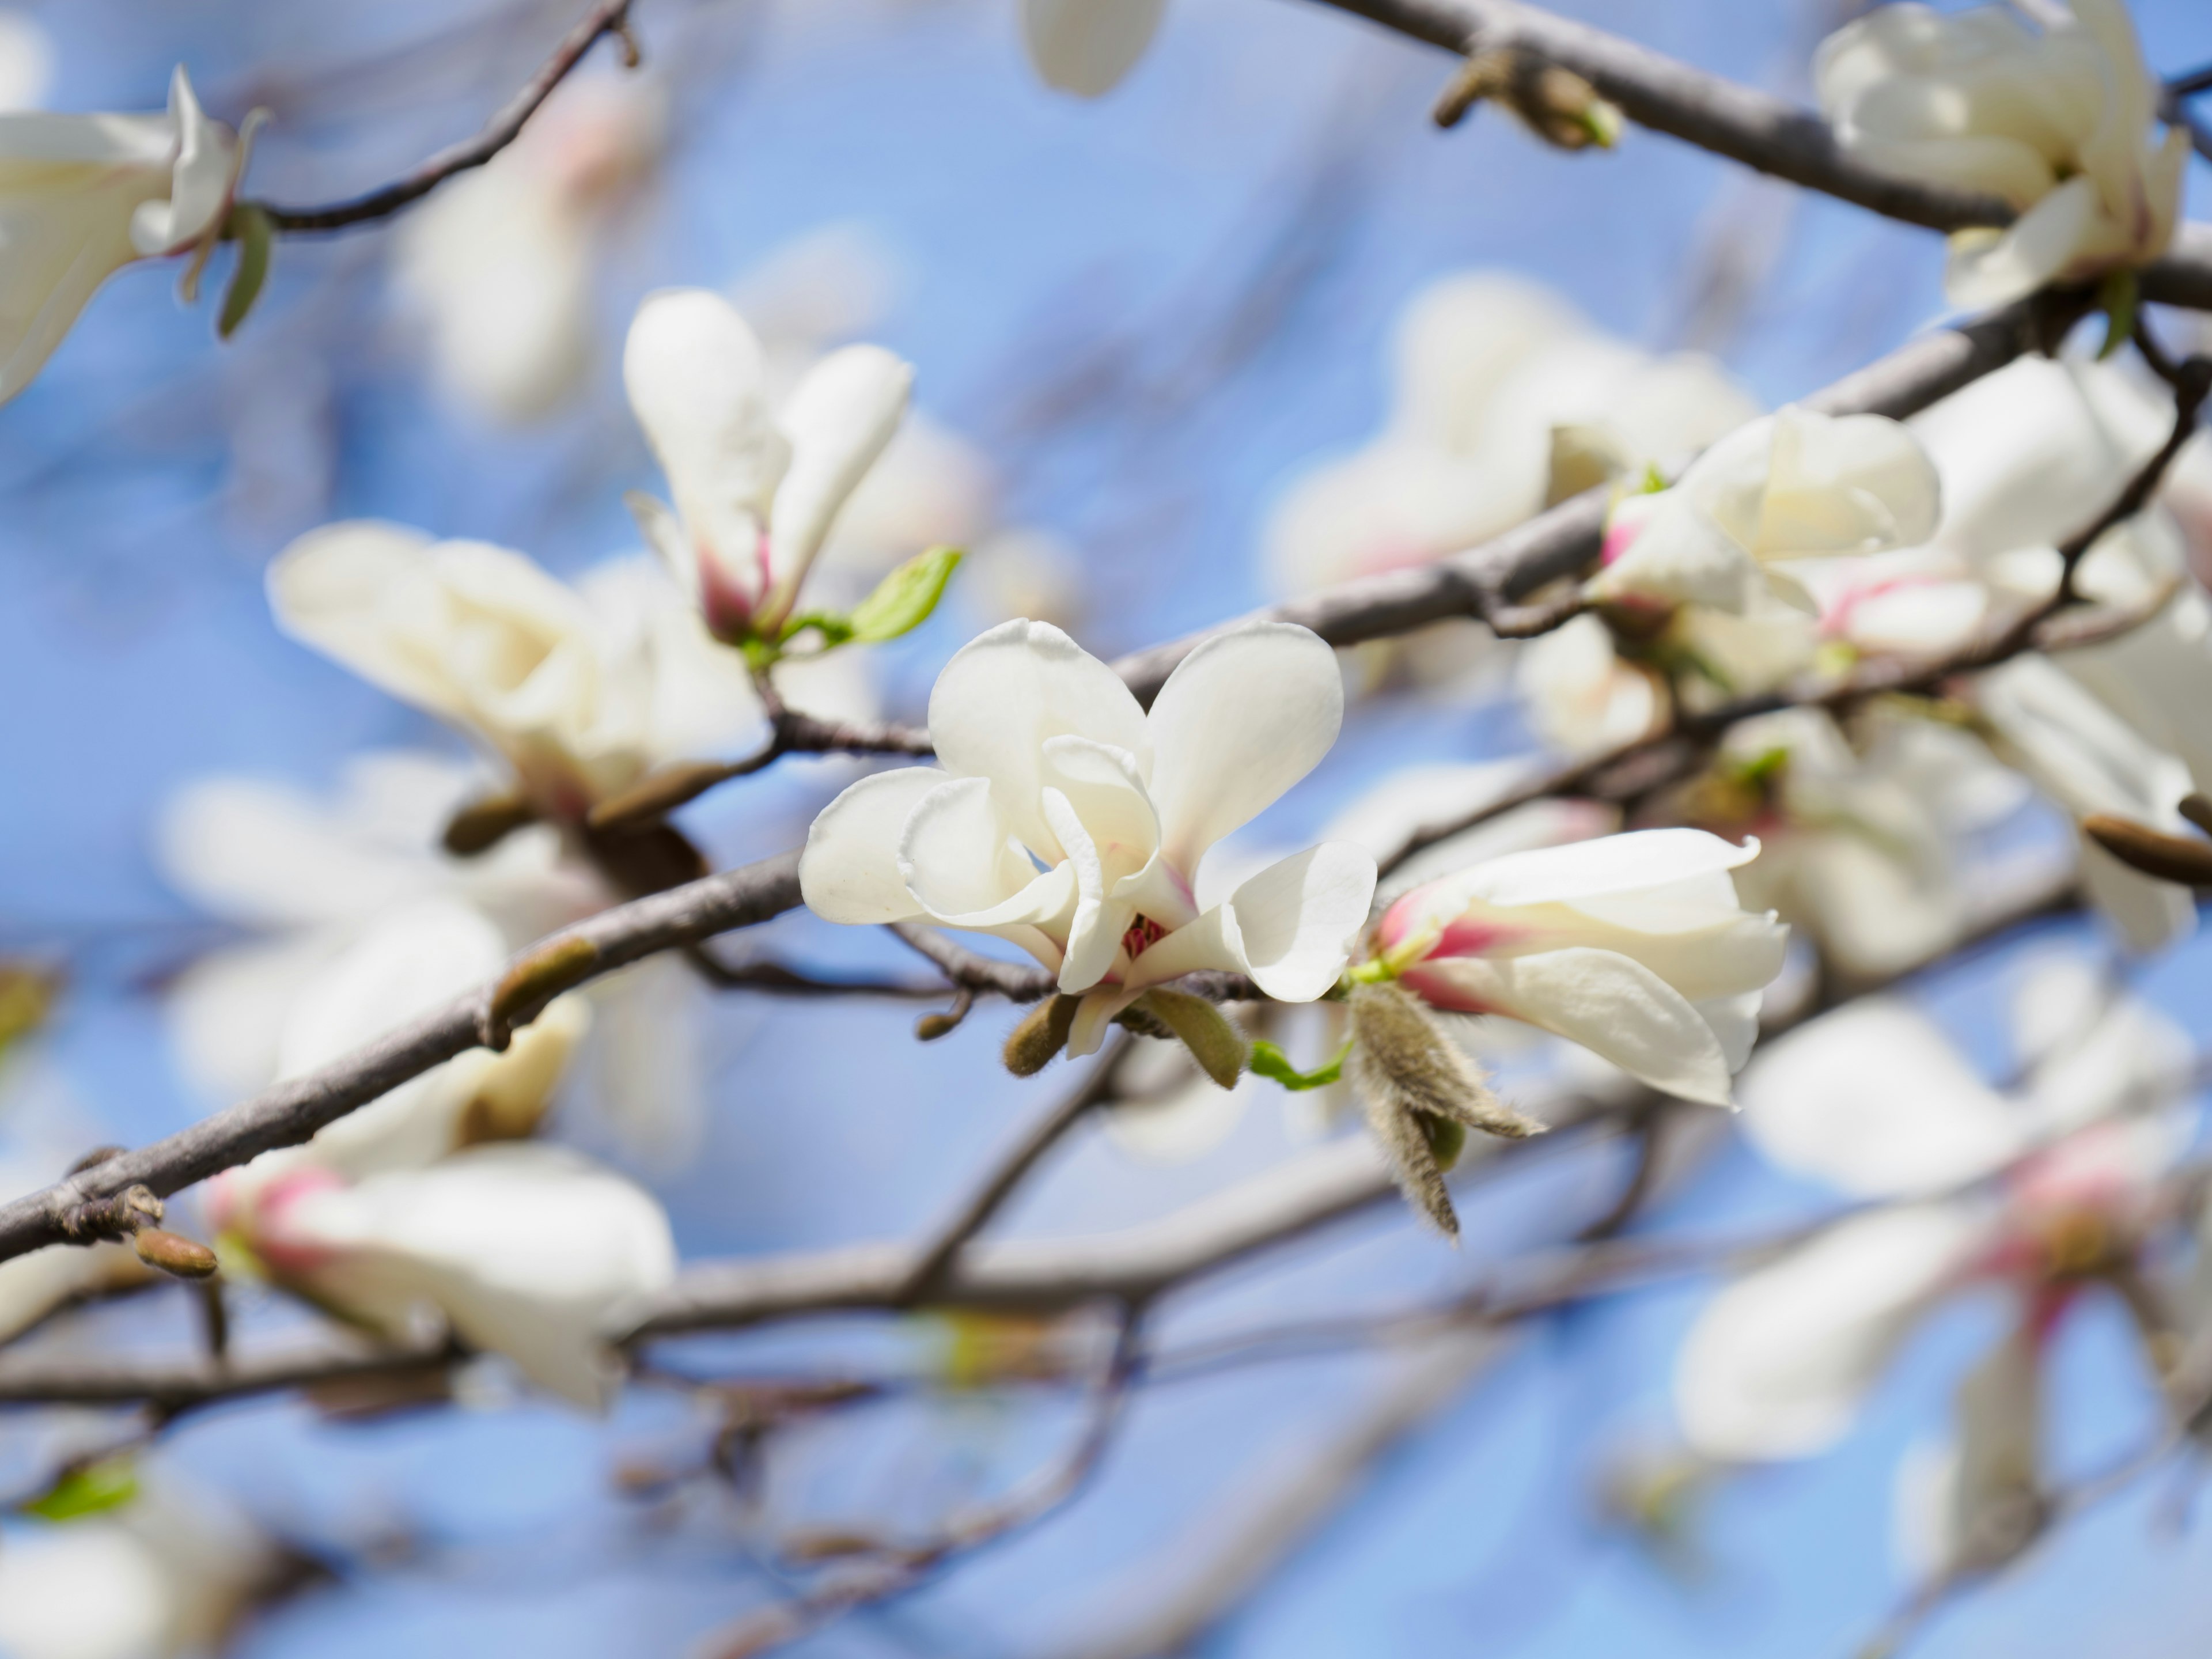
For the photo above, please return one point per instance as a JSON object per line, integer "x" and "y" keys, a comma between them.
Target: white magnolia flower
{"x": 2089, "y": 760}
{"x": 166, "y": 1575}
{"x": 1794, "y": 486}
{"x": 1583, "y": 696}
{"x": 581, "y": 690}
{"x": 499, "y": 261}
{"x": 1874, "y": 1100}
{"x": 82, "y": 196}
{"x": 1861, "y": 847}
{"x": 1065, "y": 818}
{"x": 1632, "y": 945}
{"x": 2057, "y": 120}
{"x": 522, "y": 1250}
{"x": 1086, "y": 47}
{"x": 756, "y": 489}
{"x": 350, "y": 895}
{"x": 1505, "y": 400}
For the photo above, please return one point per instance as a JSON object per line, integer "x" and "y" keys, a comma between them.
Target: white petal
{"x": 1008, "y": 691}
{"x": 200, "y": 184}
{"x": 33, "y": 1285}
{"x": 1638, "y": 861}
{"x": 527, "y": 1250}
{"x": 1995, "y": 268}
{"x": 1618, "y": 1009}
{"x": 837, "y": 421}
{"x": 360, "y": 593}
{"x": 1242, "y": 718}
{"x": 697, "y": 386}
{"x": 849, "y": 871}
{"x": 1673, "y": 552}
{"x": 1086, "y": 47}
{"x": 88, "y": 1590}
{"x": 1846, "y": 484}
{"x": 1778, "y": 1363}
{"x": 959, "y": 864}
{"x": 1875, "y": 1100}
{"x": 1291, "y": 927}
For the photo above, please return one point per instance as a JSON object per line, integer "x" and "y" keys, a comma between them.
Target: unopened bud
{"x": 1563, "y": 109}
{"x": 2182, "y": 859}
{"x": 1217, "y": 1046}
{"x": 1040, "y": 1035}
{"x": 483, "y": 824}
{"x": 172, "y": 1253}
{"x": 1421, "y": 1095}
{"x": 930, "y": 1027}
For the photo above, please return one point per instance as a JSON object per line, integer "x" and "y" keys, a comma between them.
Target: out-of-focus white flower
{"x": 351, "y": 897}
{"x": 82, "y": 196}
{"x": 1086, "y": 47}
{"x": 1583, "y": 696}
{"x": 1067, "y": 820}
{"x": 757, "y": 490}
{"x": 2089, "y": 760}
{"x": 1503, "y": 400}
{"x": 522, "y": 1250}
{"x": 26, "y": 62}
{"x": 1861, "y": 848}
{"x": 1874, "y": 1100}
{"x": 45, "y": 1281}
{"x": 582, "y": 691}
{"x": 1796, "y": 485}
{"x": 167, "y": 1574}
{"x": 498, "y": 263}
{"x": 2057, "y": 120}
{"x": 1632, "y": 945}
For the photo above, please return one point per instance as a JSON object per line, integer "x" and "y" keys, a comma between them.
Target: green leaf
{"x": 2117, "y": 297}
{"x": 1268, "y": 1060}
{"x": 249, "y": 225}
{"x": 903, "y": 599}
{"x": 833, "y": 630}
{"x": 92, "y": 1489}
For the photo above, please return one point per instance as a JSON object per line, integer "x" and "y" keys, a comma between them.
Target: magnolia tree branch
{"x": 605, "y": 17}
{"x": 1761, "y": 131}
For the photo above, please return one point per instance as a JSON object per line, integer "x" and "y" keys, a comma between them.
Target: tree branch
{"x": 605, "y": 17}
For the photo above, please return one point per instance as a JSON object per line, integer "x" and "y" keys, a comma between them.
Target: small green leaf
{"x": 1655, "y": 481}
{"x": 249, "y": 227}
{"x": 903, "y": 599}
{"x": 92, "y": 1489}
{"x": 1268, "y": 1062}
{"x": 2117, "y": 297}
{"x": 833, "y": 630}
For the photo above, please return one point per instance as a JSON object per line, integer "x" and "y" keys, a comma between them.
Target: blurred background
{"x": 1137, "y": 324}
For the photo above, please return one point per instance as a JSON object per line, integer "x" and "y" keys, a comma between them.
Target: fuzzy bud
{"x": 1032, "y": 1044}
{"x": 173, "y": 1254}
{"x": 483, "y": 824}
{"x": 1421, "y": 1095}
{"x": 2182, "y": 859}
{"x": 658, "y": 795}
{"x": 1217, "y": 1046}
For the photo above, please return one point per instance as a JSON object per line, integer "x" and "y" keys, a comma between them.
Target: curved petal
{"x": 849, "y": 871}
{"x": 1845, "y": 483}
{"x": 1086, "y": 47}
{"x": 959, "y": 864}
{"x": 1291, "y": 927}
{"x": 1242, "y": 718}
{"x": 698, "y": 387}
{"x": 837, "y": 421}
{"x": 527, "y": 1250}
{"x": 350, "y": 590}
{"x": 1005, "y": 693}
{"x": 200, "y": 181}
{"x": 1637, "y": 862}
{"x": 1618, "y": 1009}
{"x": 1666, "y": 549}
{"x": 1778, "y": 1363}
{"x": 1875, "y": 1100}
{"x": 1995, "y": 268}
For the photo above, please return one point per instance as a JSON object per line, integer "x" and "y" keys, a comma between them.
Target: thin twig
{"x": 605, "y": 17}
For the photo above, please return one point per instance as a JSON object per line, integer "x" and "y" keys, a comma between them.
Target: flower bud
{"x": 523, "y": 991}
{"x": 1217, "y": 1046}
{"x": 2181, "y": 859}
{"x": 1421, "y": 1095}
{"x": 1043, "y": 1033}
{"x": 481, "y": 824}
{"x": 173, "y": 1254}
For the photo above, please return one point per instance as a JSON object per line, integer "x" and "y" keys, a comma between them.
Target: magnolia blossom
{"x": 1862, "y": 847}
{"x": 2033, "y": 1191}
{"x": 757, "y": 490}
{"x": 1796, "y": 485}
{"x": 341, "y": 895}
{"x": 1634, "y": 946}
{"x": 1066, "y": 819}
{"x": 1503, "y": 401}
{"x": 82, "y": 196}
{"x": 581, "y": 690}
{"x": 1086, "y": 47}
{"x": 2055, "y": 120}
{"x": 2090, "y": 761}
{"x": 499, "y": 261}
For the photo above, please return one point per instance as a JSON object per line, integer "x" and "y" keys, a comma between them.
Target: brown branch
{"x": 1761, "y": 131}
{"x": 790, "y": 733}
{"x": 605, "y": 17}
